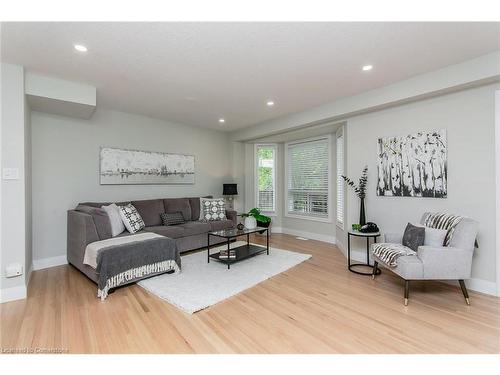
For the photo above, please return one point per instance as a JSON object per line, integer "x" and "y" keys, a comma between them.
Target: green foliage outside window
{"x": 265, "y": 174}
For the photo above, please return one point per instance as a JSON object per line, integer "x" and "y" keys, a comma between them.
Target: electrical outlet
{"x": 14, "y": 270}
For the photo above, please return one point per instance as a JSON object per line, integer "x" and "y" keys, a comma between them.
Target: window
{"x": 266, "y": 177}
{"x": 340, "y": 180}
{"x": 308, "y": 179}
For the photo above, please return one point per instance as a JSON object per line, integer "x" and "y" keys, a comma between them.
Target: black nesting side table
{"x": 367, "y": 264}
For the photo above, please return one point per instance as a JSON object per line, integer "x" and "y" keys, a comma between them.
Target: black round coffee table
{"x": 367, "y": 264}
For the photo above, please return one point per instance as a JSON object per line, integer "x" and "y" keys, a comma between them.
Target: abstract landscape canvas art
{"x": 119, "y": 166}
{"x": 413, "y": 166}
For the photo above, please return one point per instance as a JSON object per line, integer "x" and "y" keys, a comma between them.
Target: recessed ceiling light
{"x": 270, "y": 103}
{"x": 221, "y": 120}
{"x": 367, "y": 68}
{"x": 81, "y": 48}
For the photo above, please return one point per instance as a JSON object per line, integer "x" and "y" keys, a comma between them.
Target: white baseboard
{"x": 308, "y": 235}
{"x": 482, "y": 286}
{"x": 40, "y": 264}
{"x": 13, "y": 294}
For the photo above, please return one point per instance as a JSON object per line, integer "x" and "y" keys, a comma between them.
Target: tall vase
{"x": 362, "y": 218}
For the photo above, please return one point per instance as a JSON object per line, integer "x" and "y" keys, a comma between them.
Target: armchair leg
{"x": 375, "y": 266}
{"x": 407, "y": 291}
{"x": 464, "y": 291}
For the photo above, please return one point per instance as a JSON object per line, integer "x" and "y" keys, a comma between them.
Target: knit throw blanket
{"x": 130, "y": 262}
{"x": 443, "y": 221}
{"x": 389, "y": 253}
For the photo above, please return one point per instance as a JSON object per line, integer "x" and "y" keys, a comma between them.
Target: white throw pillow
{"x": 433, "y": 237}
{"x": 212, "y": 209}
{"x": 113, "y": 212}
{"x": 131, "y": 218}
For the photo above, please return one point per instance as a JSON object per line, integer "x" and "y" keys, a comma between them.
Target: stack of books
{"x": 225, "y": 255}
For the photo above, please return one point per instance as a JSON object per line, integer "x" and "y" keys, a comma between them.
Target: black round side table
{"x": 367, "y": 264}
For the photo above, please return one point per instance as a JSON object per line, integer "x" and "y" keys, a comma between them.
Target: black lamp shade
{"x": 229, "y": 189}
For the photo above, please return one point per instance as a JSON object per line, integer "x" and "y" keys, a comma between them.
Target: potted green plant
{"x": 254, "y": 218}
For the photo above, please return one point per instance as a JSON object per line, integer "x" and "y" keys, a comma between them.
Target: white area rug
{"x": 201, "y": 284}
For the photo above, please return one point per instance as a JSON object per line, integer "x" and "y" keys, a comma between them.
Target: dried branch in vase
{"x": 360, "y": 188}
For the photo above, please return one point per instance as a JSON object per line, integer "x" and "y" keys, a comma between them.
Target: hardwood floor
{"x": 316, "y": 307}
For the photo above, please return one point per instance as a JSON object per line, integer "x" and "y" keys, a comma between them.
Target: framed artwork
{"x": 129, "y": 167}
{"x": 413, "y": 166}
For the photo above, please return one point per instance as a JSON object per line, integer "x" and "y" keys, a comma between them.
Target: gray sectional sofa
{"x": 88, "y": 223}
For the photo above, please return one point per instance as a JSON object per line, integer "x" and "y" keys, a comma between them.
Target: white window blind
{"x": 266, "y": 177}
{"x": 340, "y": 181}
{"x": 308, "y": 166}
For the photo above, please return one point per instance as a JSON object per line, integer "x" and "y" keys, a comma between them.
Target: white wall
{"x": 28, "y": 235}
{"x": 238, "y": 173}
{"x": 468, "y": 117}
{"x": 497, "y": 162}
{"x": 65, "y": 158}
{"x": 14, "y": 230}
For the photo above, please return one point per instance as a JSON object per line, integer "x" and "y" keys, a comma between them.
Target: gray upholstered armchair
{"x": 452, "y": 262}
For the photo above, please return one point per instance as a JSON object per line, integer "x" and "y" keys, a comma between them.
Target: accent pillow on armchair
{"x": 413, "y": 237}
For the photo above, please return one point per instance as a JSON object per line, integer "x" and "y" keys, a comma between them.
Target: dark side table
{"x": 367, "y": 264}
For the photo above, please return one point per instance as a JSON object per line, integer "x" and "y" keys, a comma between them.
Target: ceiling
{"x": 196, "y": 73}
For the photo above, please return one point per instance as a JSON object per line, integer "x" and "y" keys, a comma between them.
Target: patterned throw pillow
{"x": 212, "y": 209}
{"x": 172, "y": 218}
{"x": 131, "y": 218}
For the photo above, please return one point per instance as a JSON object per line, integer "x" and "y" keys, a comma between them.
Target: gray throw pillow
{"x": 413, "y": 237}
{"x": 172, "y": 218}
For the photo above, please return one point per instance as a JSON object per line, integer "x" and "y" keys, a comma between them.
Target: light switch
{"x": 10, "y": 174}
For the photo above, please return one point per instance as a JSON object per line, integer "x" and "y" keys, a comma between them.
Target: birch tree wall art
{"x": 413, "y": 166}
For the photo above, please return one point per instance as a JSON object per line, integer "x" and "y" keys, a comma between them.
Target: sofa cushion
{"x": 150, "y": 211}
{"x": 409, "y": 268}
{"x": 178, "y": 205}
{"x": 195, "y": 206}
{"x": 192, "y": 228}
{"x": 221, "y": 224}
{"x": 101, "y": 220}
{"x": 100, "y": 204}
{"x": 174, "y": 231}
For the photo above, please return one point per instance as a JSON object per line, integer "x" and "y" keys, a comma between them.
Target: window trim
{"x": 340, "y": 133}
{"x": 292, "y": 215}
{"x": 256, "y": 176}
